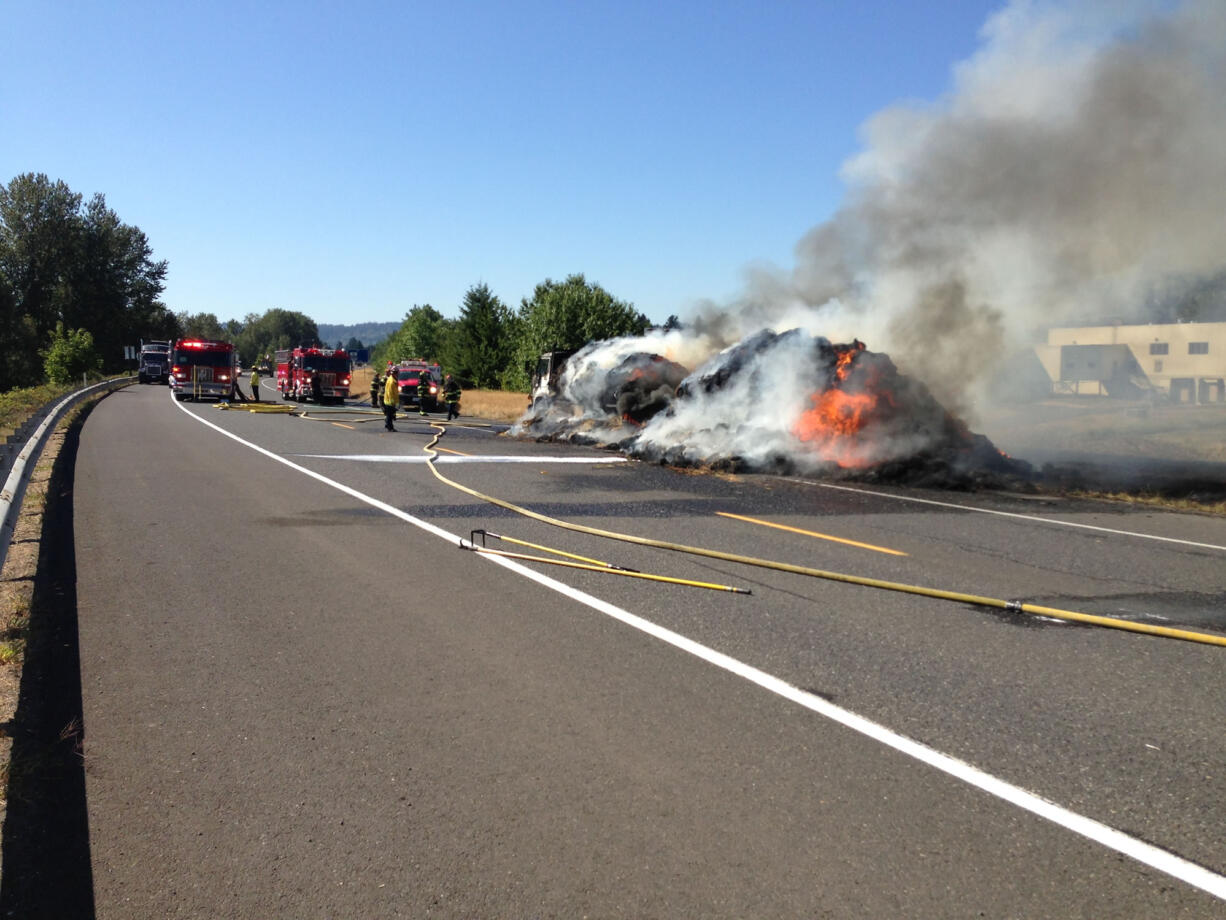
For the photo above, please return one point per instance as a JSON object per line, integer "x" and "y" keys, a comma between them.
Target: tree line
{"x": 77, "y": 285}
{"x": 67, "y": 267}
{"x": 491, "y": 346}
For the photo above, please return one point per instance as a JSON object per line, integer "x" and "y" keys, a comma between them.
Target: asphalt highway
{"x": 303, "y": 698}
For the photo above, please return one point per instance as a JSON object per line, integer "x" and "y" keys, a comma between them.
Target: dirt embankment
{"x": 1107, "y": 445}
{"x": 44, "y": 861}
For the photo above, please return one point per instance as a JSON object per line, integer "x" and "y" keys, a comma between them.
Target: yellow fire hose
{"x": 261, "y": 407}
{"x": 324, "y": 415}
{"x": 607, "y": 569}
{"x": 979, "y": 600}
{"x": 594, "y": 565}
{"x": 544, "y": 549}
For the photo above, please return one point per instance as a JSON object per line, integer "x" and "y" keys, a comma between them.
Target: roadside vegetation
{"x": 497, "y": 405}
{"x": 491, "y": 347}
{"x": 22, "y": 592}
{"x": 17, "y": 405}
{"x": 16, "y": 587}
{"x": 1164, "y": 502}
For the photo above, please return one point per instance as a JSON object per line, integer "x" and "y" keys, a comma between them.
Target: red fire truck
{"x": 321, "y": 374}
{"x": 411, "y": 372}
{"x": 202, "y": 367}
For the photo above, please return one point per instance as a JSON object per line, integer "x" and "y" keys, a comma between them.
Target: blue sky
{"x": 351, "y": 160}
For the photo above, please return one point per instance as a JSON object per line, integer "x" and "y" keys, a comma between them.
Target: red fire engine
{"x": 202, "y": 367}
{"x": 411, "y": 372}
{"x": 321, "y": 374}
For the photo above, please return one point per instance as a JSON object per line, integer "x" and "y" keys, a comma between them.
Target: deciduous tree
{"x": 567, "y": 315}
{"x": 70, "y": 354}
{"x": 276, "y": 328}
{"x": 63, "y": 262}
{"x": 421, "y": 335}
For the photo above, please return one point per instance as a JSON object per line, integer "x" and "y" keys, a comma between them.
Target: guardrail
{"x": 17, "y": 440}
{"x": 17, "y": 462}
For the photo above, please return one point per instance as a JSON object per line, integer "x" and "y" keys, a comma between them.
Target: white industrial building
{"x": 1182, "y": 362}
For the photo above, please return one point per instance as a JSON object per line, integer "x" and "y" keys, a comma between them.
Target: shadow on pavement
{"x": 46, "y": 860}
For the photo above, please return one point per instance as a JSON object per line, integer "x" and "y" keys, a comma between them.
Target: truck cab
{"x": 545, "y": 375}
{"x": 319, "y": 374}
{"x": 410, "y": 374}
{"x": 154, "y": 363}
{"x": 200, "y": 368}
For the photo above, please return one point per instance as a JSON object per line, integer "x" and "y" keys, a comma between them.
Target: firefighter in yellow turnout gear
{"x": 391, "y": 399}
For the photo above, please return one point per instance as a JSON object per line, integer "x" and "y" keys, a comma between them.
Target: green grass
{"x": 13, "y": 627}
{"x": 18, "y": 405}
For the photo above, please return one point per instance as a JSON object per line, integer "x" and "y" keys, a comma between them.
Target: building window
{"x": 1198, "y": 348}
{"x": 1157, "y": 367}
{"x": 1159, "y": 348}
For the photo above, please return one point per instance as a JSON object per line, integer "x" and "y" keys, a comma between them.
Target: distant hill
{"x": 367, "y": 333}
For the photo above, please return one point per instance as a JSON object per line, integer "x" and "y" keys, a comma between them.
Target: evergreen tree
{"x": 480, "y": 348}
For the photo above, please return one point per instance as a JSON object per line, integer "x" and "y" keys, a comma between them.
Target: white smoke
{"x": 1077, "y": 165}
{"x": 754, "y": 418}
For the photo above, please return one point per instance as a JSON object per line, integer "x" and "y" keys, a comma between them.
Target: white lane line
{"x": 492, "y": 458}
{"x": 1145, "y": 853}
{"x": 1010, "y": 514}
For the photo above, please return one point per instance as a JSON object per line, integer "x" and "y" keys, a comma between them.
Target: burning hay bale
{"x": 785, "y": 403}
{"x": 639, "y": 387}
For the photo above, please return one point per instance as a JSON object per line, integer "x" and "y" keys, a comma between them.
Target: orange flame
{"x": 832, "y": 425}
{"x": 842, "y": 364}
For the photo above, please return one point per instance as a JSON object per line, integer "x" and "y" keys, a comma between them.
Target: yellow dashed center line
{"x": 810, "y": 533}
